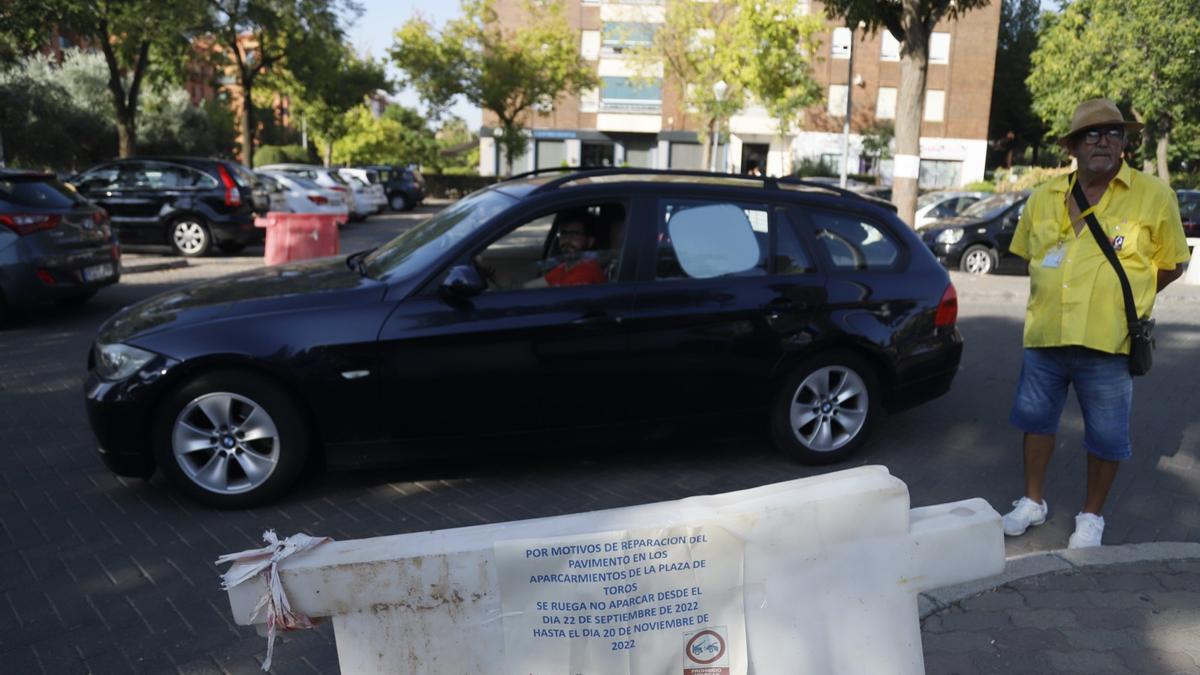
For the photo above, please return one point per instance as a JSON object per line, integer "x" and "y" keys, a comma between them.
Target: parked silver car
{"x": 934, "y": 206}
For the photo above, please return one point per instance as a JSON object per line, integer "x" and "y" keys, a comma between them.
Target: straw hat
{"x": 1097, "y": 112}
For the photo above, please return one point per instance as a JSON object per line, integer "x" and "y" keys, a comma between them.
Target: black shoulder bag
{"x": 1141, "y": 338}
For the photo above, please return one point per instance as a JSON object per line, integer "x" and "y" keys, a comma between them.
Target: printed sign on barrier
{"x": 624, "y": 603}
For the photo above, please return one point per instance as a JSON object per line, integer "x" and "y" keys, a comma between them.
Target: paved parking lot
{"x": 108, "y": 575}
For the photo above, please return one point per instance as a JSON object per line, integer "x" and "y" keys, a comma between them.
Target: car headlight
{"x": 118, "y": 361}
{"x": 950, "y": 236}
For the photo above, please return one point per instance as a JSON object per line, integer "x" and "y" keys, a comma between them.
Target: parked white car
{"x": 934, "y": 206}
{"x": 368, "y": 186}
{"x": 294, "y": 194}
{"x": 327, "y": 178}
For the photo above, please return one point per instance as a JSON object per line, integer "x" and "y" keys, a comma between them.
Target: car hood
{"x": 307, "y": 284}
{"x": 951, "y": 223}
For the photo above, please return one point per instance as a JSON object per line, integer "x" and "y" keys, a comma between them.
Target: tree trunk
{"x": 247, "y": 122}
{"x": 125, "y": 104}
{"x": 1164, "y": 172}
{"x": 329, "y": 153}
{"x": 910, "y": 99}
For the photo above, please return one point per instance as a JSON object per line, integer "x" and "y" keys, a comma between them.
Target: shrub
{"x": 1182, "y": 180}
{"x": 282, "y": 154}
{"x": 1021, "y": 178}
{"x": 981, "y": 186}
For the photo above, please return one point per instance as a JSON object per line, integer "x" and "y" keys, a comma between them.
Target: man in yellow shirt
{"x": 1075, "y": 325}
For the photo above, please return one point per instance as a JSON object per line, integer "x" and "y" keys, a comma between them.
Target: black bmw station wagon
{"x": 557, "y": 300}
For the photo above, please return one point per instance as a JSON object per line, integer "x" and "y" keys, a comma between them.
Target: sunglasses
{"x": 1113, "y": 134}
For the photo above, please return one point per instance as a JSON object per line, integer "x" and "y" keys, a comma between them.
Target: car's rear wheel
{"x": 978, "y": 259}
{"x": 399, "y": 202}
{"x": 231, "y": 440}
{"x": 825, "y": 409}
{"x": 190, "y": 237}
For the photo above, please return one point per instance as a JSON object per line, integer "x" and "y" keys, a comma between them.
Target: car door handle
{"x": 596, "y": 319}
{"x": 777, "y": 307}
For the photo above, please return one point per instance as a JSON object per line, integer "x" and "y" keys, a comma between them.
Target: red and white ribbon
{"x": 265, "y": 561}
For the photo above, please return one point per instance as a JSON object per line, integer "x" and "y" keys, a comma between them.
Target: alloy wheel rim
{"x": 225, "y": 443}
{"x": 189, "y": 236}
{"x": 398, "y": 203}
{"x": 979, "y": 262}
{"x": 829, "y": 408}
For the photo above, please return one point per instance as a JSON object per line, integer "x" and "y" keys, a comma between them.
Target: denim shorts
{"x": 1103, "y": 387}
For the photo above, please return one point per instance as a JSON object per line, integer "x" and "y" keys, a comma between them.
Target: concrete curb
{"x": 153, "y": 267}
{"x": 1046, "y": 562}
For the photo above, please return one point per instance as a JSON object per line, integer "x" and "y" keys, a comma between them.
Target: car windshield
{"x": 412, "y": 251}
{"x": 992, "y": 206}
{"x": 305, "y": 183}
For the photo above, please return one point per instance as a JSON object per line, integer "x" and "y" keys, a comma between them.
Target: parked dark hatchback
{"x": 977, "y": 241}
{"x": 187, "y": 203}
{"x": 1189, "y": 211}
{"x": 710, "y": 296}
{"x": 54, "y": 245}
{"x": 405, "y": 187}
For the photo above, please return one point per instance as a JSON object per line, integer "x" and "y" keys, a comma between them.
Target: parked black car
{"x": 711, "y": 296}
{"x": 977, "y": 241}
{"x": 405, "y": 186}
{"x": 1189, "y": 211}
{"x": 188, "y": 203}
{"x": 54, "y": 245}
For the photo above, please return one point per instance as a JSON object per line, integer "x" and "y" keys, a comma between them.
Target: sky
{"x": 371, "y": 35}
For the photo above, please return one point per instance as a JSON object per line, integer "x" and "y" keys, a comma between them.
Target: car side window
{"x": 576, "y": 246}
{"x": 791, "y": 257}
{"x": 855, "y": 243}
{"x": 706, "y": 239}
{"x": 100, "y": 178}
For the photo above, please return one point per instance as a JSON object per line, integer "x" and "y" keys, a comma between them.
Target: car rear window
{"x": 36, "y": 193}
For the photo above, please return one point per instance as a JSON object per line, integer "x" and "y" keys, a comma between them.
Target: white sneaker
{"x": 1028, "y": 512}
{"x": 1089, "y": 528}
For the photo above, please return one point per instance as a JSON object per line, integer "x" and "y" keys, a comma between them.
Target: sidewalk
{"x": 1116, "y": 609}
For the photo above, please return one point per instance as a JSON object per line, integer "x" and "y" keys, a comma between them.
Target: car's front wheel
{"x": 825, "y": 410}
{"x": 978, "y": 259}
{"x": 399, "y": 202}
{"x": 231, "y": 439}
{"x": 190, "y": 237}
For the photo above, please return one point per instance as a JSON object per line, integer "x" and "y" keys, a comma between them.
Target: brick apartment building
{"x": 621, "y": 124}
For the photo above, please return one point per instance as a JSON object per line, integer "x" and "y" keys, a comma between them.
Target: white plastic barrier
{"x": 1193, "y": 270}
{"x": 818, "y": 575}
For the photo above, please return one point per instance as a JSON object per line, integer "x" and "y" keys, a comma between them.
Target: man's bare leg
{"x": 1100, "y": 476}
{"x": 1038, "y": 448}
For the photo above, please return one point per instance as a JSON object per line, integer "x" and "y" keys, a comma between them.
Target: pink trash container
{"x": 298, "y": 236}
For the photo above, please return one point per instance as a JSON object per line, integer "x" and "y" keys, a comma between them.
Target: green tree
{"x": 1012, "y": 103}
{"x": 392, "y": 138}
{"x": 778, "y": 68}
{"x": 1139, "y": 53}
{"x": 692, "y": 51}
{"x": 911, "y": 22}
{"x": 130, "y": 34}
{"x": 260, "y": 36}
{"x": 877, "y": 143}
{"x": 325, "y": 84}
{"x": 502, "y": 70}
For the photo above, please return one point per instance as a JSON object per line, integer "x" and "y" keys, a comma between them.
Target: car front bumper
{"x": 121, "y": 415}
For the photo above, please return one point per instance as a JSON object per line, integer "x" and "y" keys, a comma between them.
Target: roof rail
{"x": 552, "y": 169}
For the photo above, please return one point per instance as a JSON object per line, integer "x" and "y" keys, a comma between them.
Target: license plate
{"x": 97, "y": 272}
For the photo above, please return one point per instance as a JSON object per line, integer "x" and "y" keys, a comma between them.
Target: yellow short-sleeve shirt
{"x": 1078, "y": 301}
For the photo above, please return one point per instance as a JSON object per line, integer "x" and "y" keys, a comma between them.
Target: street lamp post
{"x": 719, "y": 91}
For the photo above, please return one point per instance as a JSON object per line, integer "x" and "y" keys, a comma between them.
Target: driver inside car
{"x": 575, "y": 239}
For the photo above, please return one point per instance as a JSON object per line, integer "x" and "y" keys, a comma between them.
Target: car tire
{"x": 230, "y": 440}
{"x": 232, "y": 246}
{"x": 190, "y": 237}
{"x": 399, "y": 202}
{"x": 811, "y": 428}
{"x": 978, "y": 259}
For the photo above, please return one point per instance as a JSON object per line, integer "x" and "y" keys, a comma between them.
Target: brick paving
{"x": 107, "y": 575}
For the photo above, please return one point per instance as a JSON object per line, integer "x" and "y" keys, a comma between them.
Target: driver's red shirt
{"x": 580, "y": 274}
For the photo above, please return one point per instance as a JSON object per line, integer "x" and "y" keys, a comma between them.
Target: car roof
{"x": 24, "y": 174}
{"x": 546, "y": 180}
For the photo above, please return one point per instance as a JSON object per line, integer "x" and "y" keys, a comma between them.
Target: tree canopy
{"x": 503, "y": 70}
{"x": 1140, "y": 53}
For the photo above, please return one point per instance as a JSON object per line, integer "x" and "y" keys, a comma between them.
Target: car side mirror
{"x": 461, "y": 282}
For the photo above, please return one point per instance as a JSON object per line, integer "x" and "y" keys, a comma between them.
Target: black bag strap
{"x": 1081, "y": 199}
